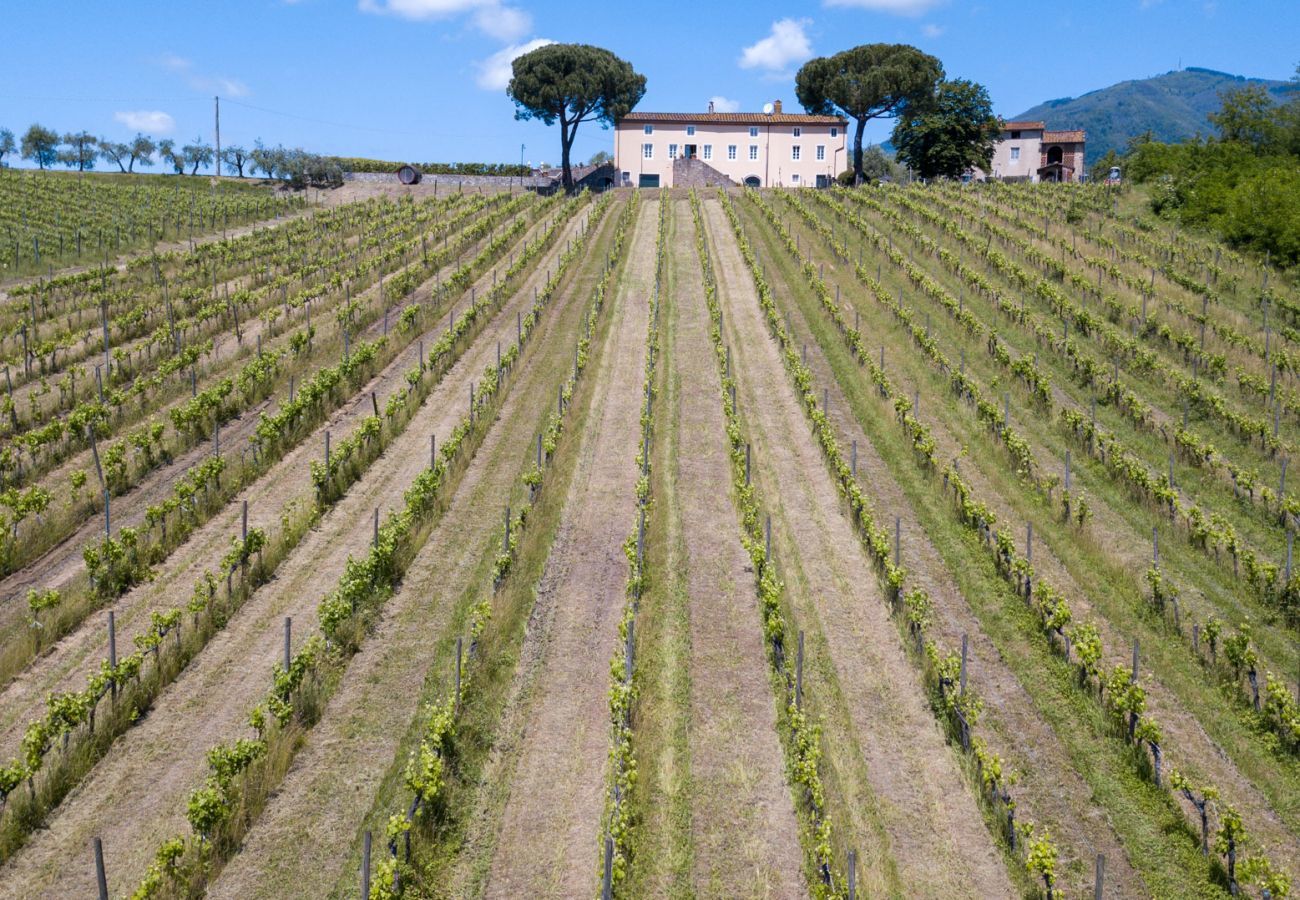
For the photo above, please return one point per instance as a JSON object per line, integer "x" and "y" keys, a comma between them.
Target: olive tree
{"x": 171, "y": 156}
{"x": 41, "y": 146}
{"x": 142, "y": 151}
{"x": 115, "y": 152}
{"x": 873, "y": 81}
{"x": 572, "y": 84}
{"x": 7, "y": 144}
{"x": 81, "y": 149}
{"x": 197, "y": 154}
{"x": 235, "y": 157}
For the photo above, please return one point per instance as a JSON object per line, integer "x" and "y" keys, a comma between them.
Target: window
{"x": 1015, "y": 135}
{"x": 821, "y": 152}
{"x": 1015, "y": 153}
{"x": 731, "y": 151}
{"x": 649, "y": 129}
{"x": 690, "y": 130}
{"x": 753, "y": 131}
{"x": 647, "y": 151}
{"x": 835, "y": 132}
{"x": 708, "y": 151}
{"x": 753, "y": 151}
{"x": 794, "y": 178}
{"x": 672, "y": 151}
{"x": 798, "y": 132}
{"x": 794, "y": 152}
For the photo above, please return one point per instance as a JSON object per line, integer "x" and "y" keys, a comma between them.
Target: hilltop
{"x": 1173, "y": 106}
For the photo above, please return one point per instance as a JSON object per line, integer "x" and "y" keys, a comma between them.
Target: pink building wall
{"x": 773, "y": 135}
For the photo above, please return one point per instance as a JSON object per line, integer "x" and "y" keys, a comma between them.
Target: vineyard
{"x": 930, "y": 541}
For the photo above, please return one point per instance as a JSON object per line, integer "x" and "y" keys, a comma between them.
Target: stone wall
{"x": 695, "y": 173}
{"x": 501, "y": 182}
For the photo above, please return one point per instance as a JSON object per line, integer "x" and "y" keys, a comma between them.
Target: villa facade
{"x": 762, "y": 149}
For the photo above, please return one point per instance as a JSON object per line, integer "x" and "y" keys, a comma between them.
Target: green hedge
{"x": 361, "y": 164}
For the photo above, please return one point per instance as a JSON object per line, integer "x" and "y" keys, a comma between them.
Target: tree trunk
{"x": 566, "y": 143}
{"x": 857, "y": 152}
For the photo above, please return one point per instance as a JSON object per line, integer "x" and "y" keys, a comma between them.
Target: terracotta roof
{"x": 1063, "y": 137}
{"x": 756, "y": 118}
{"x": 1023, "y": 126}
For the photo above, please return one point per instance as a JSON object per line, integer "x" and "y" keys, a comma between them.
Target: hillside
{"x": 1173, "y": 106}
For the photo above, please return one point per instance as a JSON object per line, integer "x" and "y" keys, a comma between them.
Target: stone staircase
{"x": 693, "y": 172}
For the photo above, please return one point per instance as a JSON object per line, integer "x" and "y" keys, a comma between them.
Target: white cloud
{"x": 494, "y": 73}
{"x": 722, "y": 104}
{"x": 152, "y": 120}
{"x": 492, "y": 17}
{"x": 788, "y": 43}
{"x": 931, "y": 30}
{"x": 893, "y": 7}
{"x": 505, "y": 23}
{"x": 212, "y": 84}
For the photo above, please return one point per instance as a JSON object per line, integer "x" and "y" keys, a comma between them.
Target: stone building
{"x": 1027, "y": 151}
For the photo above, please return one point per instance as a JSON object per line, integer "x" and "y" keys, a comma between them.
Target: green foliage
{"x": 41, "y": 145}
{"x": 572, "y": 84}
{"x": 363, "y": 164}
{"x": 953, "y": 131}
{"x": 1244, "y": 185}
{"x": 871, "y": 81}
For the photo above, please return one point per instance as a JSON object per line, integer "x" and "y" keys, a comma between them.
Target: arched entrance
{"x": 753, "y": 181}
{"x": 1055, "y": 155}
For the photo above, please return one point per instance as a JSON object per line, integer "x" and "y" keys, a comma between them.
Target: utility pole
{"x": 216, "y": 105}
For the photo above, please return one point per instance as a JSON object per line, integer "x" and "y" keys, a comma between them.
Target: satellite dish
{"x": 767, "y": 109}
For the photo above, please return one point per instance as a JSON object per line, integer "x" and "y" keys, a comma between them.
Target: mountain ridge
{"x": 1174, "y": 106}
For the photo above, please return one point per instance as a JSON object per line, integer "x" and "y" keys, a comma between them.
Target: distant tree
{"x": 41, "y": 146}
{"x": 873, "y": 81}
{"x": 261, "y": 159}
{"x": 571, "y": 84}
{"x": 197, "y": 154}
{"x": 1248, "y": 116}
{"x": 600, "y": 157}
{"x": 142, "y": 151}
{"x": 167, "y": 151}
{"x": 7, "y": 144}
{"x": 235, "y": 158}
{"x": 877, "y": 166}
{"x": 81, "y": 149}
{"x": 948, "y": 133}
{"x": 114, "y": 152}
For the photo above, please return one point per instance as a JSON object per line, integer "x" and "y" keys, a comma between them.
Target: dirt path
{"x": 936, "y": 833}
{"x": 547, "y": 837}
{"x": 67, "y": 664}
{"x": 1196, "y": 751}
{"x": 303, "y": 838}
{"x": 1050, "y": 790}
{"x": 744, "y": 833}
{"x": 142, "y": 783}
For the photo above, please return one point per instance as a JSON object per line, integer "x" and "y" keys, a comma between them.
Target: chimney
{"x": 776, "y": 107}
{"x": 710, "y": 106}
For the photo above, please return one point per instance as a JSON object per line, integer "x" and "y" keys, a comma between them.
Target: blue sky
{"x": 423, "y": 80}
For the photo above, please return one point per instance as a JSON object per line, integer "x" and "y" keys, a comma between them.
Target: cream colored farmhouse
{"x": 1027, "y": 151}
{"x": 762, "y": 149}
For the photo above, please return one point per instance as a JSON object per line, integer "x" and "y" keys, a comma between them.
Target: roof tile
{"x": 738, "y": 118}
